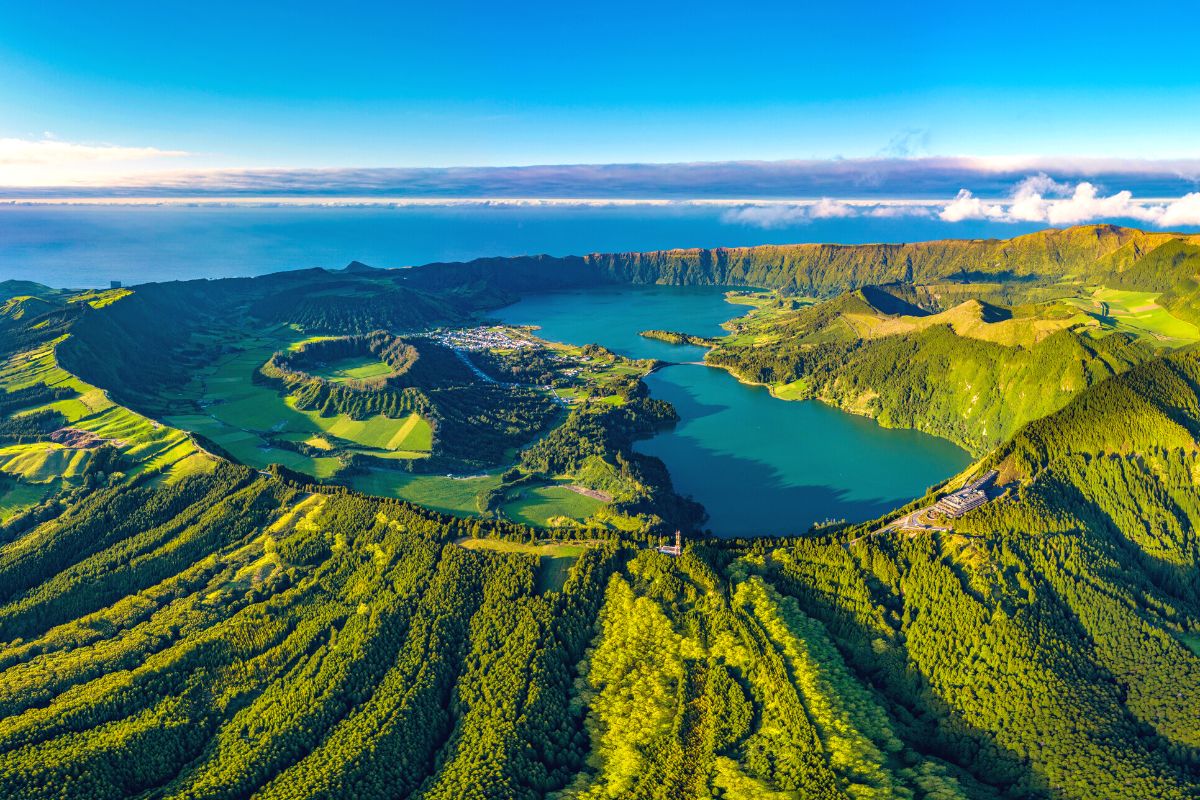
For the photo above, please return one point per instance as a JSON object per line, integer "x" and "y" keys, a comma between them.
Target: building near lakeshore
{"x": 959, "y": 503}
{"x": 969, "y": 497}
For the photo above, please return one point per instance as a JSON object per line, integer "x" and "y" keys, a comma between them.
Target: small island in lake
{"x": 674, "y": 337}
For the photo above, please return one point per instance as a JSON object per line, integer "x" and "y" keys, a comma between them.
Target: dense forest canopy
{"x": 174, "y": 623}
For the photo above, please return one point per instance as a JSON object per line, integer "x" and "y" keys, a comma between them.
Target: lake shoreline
{"x": 757, "y": 465}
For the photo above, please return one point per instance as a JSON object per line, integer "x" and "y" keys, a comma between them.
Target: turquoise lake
{"x": 760, "y": 466}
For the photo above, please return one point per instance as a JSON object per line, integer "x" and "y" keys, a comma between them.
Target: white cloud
{"x": 967, "y": 206}
{"x": 830, "y": 209}
{"x": 1039, "y": 198}
{"x": 1086, "y": 205}
{"x": 772, "y": 216}
{"x": 780, "y": 214}
{"x": 51, "y": 151}
{"x": 1184, "y": 211}
{"x": 49, "y": 161}
{"x": 1041, "y": 184}
{"x": 1029, "y": 203}
{"x": 884, "y": 211}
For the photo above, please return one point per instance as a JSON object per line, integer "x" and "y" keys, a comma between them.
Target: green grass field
{"x": 16, "y": 496}
{"x": 1139, "y": 314}
{"x": 241, "y": 416}
{"x": 42, "y": 462}
{"x": 555, "y": 560}
{"x": 194, "y": 464}
{"x": 790, "y": 391}
{"x": 357, "y": 368}
{"x": 538, "y": 506}
{"x": 439, "y": 492}
{"x": 380, "y": 432}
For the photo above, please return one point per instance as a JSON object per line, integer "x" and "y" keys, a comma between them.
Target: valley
{"x": 392, "y": 533}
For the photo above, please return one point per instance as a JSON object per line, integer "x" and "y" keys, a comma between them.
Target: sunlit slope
{"x": 60, "y": 434}
{"x": 215, "y": 632}
{"x": 974, "y": 373}
{"x": 231, "y": 636}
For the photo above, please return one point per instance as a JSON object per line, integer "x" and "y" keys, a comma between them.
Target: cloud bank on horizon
{"x": 1051, "y": 190}
{"x": 1038, "y": 198}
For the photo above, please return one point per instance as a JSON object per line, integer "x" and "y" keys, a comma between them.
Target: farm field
{"x": 410, "y": 433}
{"x": 537, "y": 506}
{"x": 450, "y": 495}
{"x": 1137, "y": 313}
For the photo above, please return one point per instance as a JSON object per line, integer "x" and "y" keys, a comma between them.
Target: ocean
{"x": 87, "y": 246}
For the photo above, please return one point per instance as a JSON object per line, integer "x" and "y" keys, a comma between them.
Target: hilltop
{"x": 10, "y": 289}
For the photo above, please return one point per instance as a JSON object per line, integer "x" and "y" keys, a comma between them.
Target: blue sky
{"x": 453, "y": 83}
{"x": 1022, "y": 112}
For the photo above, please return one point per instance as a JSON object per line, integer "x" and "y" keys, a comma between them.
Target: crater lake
{"x": 758, "y": 464}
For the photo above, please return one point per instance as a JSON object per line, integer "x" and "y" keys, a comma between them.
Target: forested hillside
{"x": 1090, "y": 252}
{"x": 174, "y": 624}
{"x": 974, "y": 375}
{"x": 229, "y": 635}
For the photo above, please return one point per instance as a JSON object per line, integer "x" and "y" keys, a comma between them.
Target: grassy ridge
{"x": 974, "y": 374}
{"x": 1084, "y": 252}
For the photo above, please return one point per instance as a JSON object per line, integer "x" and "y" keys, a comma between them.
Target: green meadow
{"x": 450, "y": 495}
{"x": 243, "y": 417}
{"x": 15, "y": 496}
{"x": 358, "y": 368}
{"x": 539, "y": 505}
{"x": 1137, "y": 313}
{"x": 1191, "y": 640}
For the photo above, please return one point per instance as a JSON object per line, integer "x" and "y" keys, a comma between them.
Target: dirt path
{"x": 595, "y": 494}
